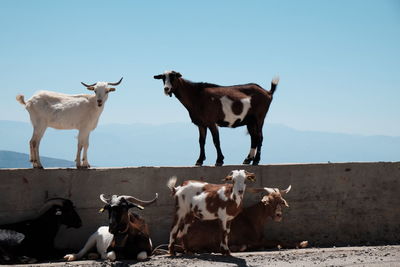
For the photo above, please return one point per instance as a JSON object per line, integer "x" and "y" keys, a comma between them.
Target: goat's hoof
{"x": 247, "y": 161}
{"x": 199, "y": 163}
{"x": 70, "y": 257}
{"x": 255, "y": 163}
{"x": 219, "y": 163}
{"x": 39, "y": 167}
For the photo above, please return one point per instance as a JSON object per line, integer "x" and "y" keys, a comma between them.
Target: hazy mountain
{"x": 10, "y": 159}
{"x": 177, "y": 145}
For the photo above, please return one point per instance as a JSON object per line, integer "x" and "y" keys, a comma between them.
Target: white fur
{"x": 275, "y": 80}
{"x": 62, "y": 111}
{"x": 142, "y": 256}
{"x": 101, "y": 239}
{"x": 167, "y": 83}
{"x": 231, "y": 117}
{"x": 252, "y": 152}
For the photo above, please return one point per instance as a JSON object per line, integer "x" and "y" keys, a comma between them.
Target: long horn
{"x": 88, "y": 85}
{"x": 114, "y": 84}
{"x": 271, "y": 190}
{"x": 105, "y": 199}
{"x": 139, "y": 201}
{"x": 49, "y": 203}
{"x": 286, "y": 190}
{"x": 255, "y": 190}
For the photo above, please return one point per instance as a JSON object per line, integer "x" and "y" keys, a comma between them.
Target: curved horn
{"x": 88, "y": 85}
{"x": 271, "y": 190}
{"x": 105, "y": 199}
{"x": 286, "y": 190}
{"x": 114, "y": 84}
{"x": 49, "y": 203}
{"x": 139, "y": 201}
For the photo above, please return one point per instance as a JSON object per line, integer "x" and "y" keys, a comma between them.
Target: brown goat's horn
{"x": 114, "y": 84}
{"x": 88, "y": 85}
{"x": 139, "y": 201}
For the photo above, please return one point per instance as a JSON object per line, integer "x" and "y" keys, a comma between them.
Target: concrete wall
{"x": 330, "y": 204}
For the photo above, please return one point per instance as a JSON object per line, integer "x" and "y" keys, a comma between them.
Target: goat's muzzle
{"x": 99, "y": 103}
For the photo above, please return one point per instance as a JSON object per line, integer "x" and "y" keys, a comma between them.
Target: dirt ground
{"x": 341, "y": 256}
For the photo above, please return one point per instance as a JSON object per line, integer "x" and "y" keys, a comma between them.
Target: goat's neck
{"x": 187, "y": 93}
{"x": 259, "y": 213}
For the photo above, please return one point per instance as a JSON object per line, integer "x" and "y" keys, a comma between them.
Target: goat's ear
{"x": 103, "y": 208}
{"x": 112, "y": 89}
{"x": 158, "y": 77}
{"x": 265, "y": 200}
{"x": 178, "y": 75}
{"x": 250, "y": 176}
{"x": 229, "y": 177}
{"x": 286, "y": 204}
{"x": 133, "y": 205}
{"x": 91, "y": 88}
{"x": 58, "y": 212}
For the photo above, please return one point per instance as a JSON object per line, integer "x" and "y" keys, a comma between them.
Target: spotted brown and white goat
{"x": 196, "y": 199}
{"x": 247, "y": 228}
{"x": 61, "y": 111}
{"x": 210, "y": 105}
{"x": 126, "y": 236}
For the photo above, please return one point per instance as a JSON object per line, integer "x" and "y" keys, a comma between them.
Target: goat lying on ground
{"x": 9, "y": 240}
{"x": 40, "y": 232}
{"x": 247, "y": 229}
{"x": 210, "y": 105}
{"x": 127, "y": 235}
{"x": 61, "y": 111}
{"x": 196, "y": 199}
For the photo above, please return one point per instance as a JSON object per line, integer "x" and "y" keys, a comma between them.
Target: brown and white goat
{"x": 61, "y": 111}
{"x": 204, "y": 201}
{"x": 210, "y": 105}
{"x": 127, "y": 235}
{"x": 247, "y": 229}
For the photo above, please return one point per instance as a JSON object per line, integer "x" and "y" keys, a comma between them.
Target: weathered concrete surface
{"x": 330, "y": 204}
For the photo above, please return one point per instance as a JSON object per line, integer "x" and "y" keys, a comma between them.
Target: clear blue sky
{"x": 339, "y": 61}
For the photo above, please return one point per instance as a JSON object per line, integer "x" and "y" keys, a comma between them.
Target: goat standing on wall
{"x": 61, "y": 111}
{"x": 212, "y": 105}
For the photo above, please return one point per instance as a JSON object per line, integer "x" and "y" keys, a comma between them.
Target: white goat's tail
{"x": 171, "y": 184}
{"x": 20, "y": 99}
{"x": 274, "y": 84}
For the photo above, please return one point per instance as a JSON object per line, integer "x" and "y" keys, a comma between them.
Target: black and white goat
{"x": 61, "y": 111}
{"x": 40, "y": 232}
{"x": 210, "y": 105}
{"x": 126, "y": 236}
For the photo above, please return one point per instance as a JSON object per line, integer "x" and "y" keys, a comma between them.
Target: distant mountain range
{"x": 176, "y": 144}
{"x": 10, "y": 159}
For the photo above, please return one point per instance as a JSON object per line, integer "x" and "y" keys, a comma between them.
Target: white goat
{"x": 61, "y": 111}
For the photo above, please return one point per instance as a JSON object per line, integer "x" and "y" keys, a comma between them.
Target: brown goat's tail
{"x": 171, "y": 184}
{"x": 274, "y": 84}
{"x": 20, "y": 99}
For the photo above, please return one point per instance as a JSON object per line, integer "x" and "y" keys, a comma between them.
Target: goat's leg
{"x": 202, "y": 142}
{"x": 78, "y": 154}
{"x": 258, "y": 154}
{"x": 178, "y": 224}
{"x": 226, "y": 227}
{"x": 82, "y": 136}
{"x": 85, "y": 163}
{"x": 38, "y": 131}
{"x": 215, "y": 135}
{"x": 254, "y": 143}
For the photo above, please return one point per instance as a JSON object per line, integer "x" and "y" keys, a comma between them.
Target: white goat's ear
{"x": 229, "y": 177}
{"x": 250, "y": 176}
{"x": 58, "y": 212}
{"x": 91, "y": 88}
{"x": 112, "y": 89}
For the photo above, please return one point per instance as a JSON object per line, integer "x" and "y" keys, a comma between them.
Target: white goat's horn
{"x": 105, "y": 199}
{"x": 114, "y": 84}
{"x": 271, "y": 190}
{"x": 139, "y": 201}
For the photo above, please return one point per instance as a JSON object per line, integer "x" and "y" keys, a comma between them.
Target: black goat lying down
{"x": 40, "y": 232}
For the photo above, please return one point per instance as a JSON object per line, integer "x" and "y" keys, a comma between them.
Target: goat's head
{"x": 101, "y": 89}
{"x": 64, "y": 210}
{"x": 169, "y": 79}
{"x": 118, "y": 207}
{"x": 273, "y": 200}
{"x": 238, "y": 178}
